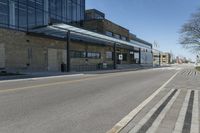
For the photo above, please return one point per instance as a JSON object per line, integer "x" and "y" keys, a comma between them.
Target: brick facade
{"x": 165, "y": 58}
{"x": 32, "y": 53}
{"x": 103, "y": 25}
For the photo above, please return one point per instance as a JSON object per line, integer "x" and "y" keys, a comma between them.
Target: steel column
{"x": 68, "y": 52}
{"x": 114, "y": 57}
{"x": 140, "y": 56}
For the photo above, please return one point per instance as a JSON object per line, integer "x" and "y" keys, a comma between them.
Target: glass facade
{"x": 24, "y": 14}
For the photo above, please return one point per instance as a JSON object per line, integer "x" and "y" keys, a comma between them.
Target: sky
{"x": 151, "y": 20}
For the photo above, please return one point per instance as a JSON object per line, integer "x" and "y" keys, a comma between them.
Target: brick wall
{"x": 103, "y": 25}
{"x": 30, "y": 53}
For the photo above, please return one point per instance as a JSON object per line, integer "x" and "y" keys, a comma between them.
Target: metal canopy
{"x": 60, "y": 31}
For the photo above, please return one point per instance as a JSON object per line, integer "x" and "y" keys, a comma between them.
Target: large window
{"x": 67, "y": 10}
{"x": 124, "y": 38}
{"x": 94, "y": 55}
{"x": 4, "y": 12}
{"x": 117, "y": 36}
{"x": 78, "y": 54}
{"x": 108, "y": 33}
{"x": 32, "y": 13}
{"x": 109, "y": 55}
{"x": 84, "y": 54}
{"x": 124, "y": 56}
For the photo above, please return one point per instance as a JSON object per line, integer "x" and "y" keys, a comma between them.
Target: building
{"x": 165, "y": 58}
{"x": 26, "y": 14}
{"x": 142, "y": 55}
{"x": 161, "y": 58}
{"x": 96, "y": 21}
{"x": 156, "y": 58}
{"x": 46, "y": 35}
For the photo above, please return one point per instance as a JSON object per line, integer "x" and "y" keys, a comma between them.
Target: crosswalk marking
{"x": 149, "y": 114}
{"x": 195, "y": 114}
{"x": 182, "y": 114}
{"x": 181, "y": 117}
{"x": 157, "y": 122}
{"x": 189, "y": 73}
{"x": 188, "y": 117}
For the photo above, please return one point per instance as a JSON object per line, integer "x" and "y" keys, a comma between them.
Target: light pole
{"x": 197, "y": 60}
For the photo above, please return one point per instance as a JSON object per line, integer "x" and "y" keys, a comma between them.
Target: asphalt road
{"x": 91, "y": 103}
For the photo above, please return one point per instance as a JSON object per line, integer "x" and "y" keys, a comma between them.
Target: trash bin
{"x": 99, "y": 66}
{"x": 63, "y": 67}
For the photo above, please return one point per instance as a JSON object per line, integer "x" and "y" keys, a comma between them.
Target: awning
{"x": 60, "y": 31}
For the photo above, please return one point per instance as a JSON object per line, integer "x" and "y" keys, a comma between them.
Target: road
{"x": 90, "y": 103}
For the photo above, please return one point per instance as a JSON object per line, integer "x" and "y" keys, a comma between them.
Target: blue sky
{"x": 151, "y": 20}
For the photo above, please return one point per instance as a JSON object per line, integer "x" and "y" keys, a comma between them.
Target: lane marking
{"x": 53, "y": 84}
{"x": 157, "y": 122}
{"x": 122, "y": 123}
{"x": 180, "y": 121}
{"x": 61, "y": 76}
{"x": 146, "y": 122}
{"x": 32, "y": 79}
{"x": 65, "y": 82}
{"x": 195, "y": 114}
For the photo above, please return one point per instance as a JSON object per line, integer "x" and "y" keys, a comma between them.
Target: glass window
{"x": 108, "y": 55}
{"x": 108, "y": 33}
{"x": 94, "y": 55}
{"x": 69, "y": 11}
{"x": 82, "y": 5}
{"x": 124, "y": 57}
{"x": 31, "y": 13}
{"x": 117, "y": 36}
{"x": 52, "y": 9}
{"x": 22, "y": 14}
{"x": 40, "y": 12}
{"x": 124, "y": 38}
{"x": 78, "y": 54}
{"x": 3, "y": 13}
{"x": 65, "y": 11}
{"x": 74, "y": 11}
{"x": 59, "y": 14}
{"x": 78, "y": 10}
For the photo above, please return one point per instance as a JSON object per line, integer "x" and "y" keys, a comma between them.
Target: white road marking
{"x": 166, "y": 68}
{"x": 195, "y": 114}
{"x": 122, "y": 123}
{"x": 149, "y": 114}
{"x": 180, "y": 121}
{"x": 157, "y": 122}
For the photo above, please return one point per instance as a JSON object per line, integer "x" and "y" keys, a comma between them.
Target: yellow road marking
{"x": 64, "y": 82}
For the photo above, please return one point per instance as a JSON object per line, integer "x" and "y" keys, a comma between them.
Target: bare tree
{"x": 190, "y": 33}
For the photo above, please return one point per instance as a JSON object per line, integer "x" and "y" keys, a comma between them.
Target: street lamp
{"x": 197, "y": 60}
